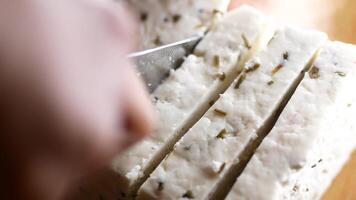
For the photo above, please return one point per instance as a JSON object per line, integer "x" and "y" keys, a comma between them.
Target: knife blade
{"x": 155, "y": 64}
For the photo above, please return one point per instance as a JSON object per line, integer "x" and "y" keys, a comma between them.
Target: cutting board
{"x": 344, "y": 186}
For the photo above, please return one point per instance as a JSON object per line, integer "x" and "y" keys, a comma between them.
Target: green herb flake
{"x": 342, "y": 74}
{"x": 176, "y": 18}
{"x": 270, "y": 83}
{"x": 246, "y": 42}
{"x": 216, "y": 61}
{"x": 240, "y": 80}
{"x": 314, "y": 72}
{"x": 157, "y": 41}
{"x": 221, "y": 76}
{"x": 216, "y": 11}
{"x": 313, "y": 166}
{"x": 286, "y": 55}
{"x": 320, "y": 160}
{"x": 199, "y": 53}
{"x": 187, "y": 148}
{"x": 253, "y": 68}
{"x": 221, "y": 134}
{"x": 219, "y": 112}
{"x": 188, "y": 194}
{"x": 143, "y": 16}
{"x": 270, "y": 41}
{"x": 277, "y": 68}
{"x": 160, "y": 186}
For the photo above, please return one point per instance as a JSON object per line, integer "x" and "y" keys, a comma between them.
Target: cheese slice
{"x": 186, "y": 95}
{"x": 163, "y": 22}
{"x": 203, "y": 159}
{"x": 313, "y": 137}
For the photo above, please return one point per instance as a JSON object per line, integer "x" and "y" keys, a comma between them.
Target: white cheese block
{"x": 184, "y": 97}
{"x": 313, "y": 137}
{"x": 163, "y": 22}
{"x": 202, "y": 157}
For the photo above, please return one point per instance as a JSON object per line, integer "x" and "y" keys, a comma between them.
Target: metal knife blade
{"x": 155, "y": 64}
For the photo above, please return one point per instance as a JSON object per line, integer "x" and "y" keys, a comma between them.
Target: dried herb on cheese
{"x": 221, "y": 134}
{"x": 270, "y": 82}
{"x": 246, "y": 42}
{"x": 277, "y": 68}
{"x": 314, "y": 72}
{"x": 253, "y": 68}
{"x": 187, "y": 148}
{"x": 342, "y": 74}
{"x": 216, "y": 61}
{"x": 313, "y": 166}
{"x": 157, "y": 41}
{"x": 286, "y": 55}
{"x": 160, "y": 186}
{"x": 143, "y": 16}
{"x": 273, "y": 37}
{"x": 188, "y": 194}
{"x": 215, "y": 11}
{"x": 240, "y": 80}
{"x": 320, "y": 160}
{"x": 219, "y": 112}
{"x": 176, "y": 18}
{"x": 199, "y": 53}
{"x": 221, "y": 76}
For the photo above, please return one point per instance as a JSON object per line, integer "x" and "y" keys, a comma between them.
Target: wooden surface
{"x": 343, "y": 28}
{"x": 344, "y": 186}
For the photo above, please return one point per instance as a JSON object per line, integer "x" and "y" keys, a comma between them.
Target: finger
{"x": 139, "y": 111}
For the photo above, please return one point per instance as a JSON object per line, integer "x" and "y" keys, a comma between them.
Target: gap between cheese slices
{"x": 313, "y": 137}
{"x": 186, "y": 95}
{"x": 205, "y": 160}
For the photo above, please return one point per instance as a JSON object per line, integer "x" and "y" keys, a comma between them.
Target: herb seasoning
{"x": 253, "y": 68}
{"x": 286, "y": 55}
{"x": 160, "y": 186}
{"x": 239, "y": 82}
{"x": 157, "y": 41}
{"x": 342, "y": 74}
{"x": 221, "y": 134}
{"x": 199, "y": 53}
{"x": 176, "y": 18}
{"x": 314, "y": 73}
{"x": 188, "y": 194}
{"x": 143, "y": 16}
{"x": 216, "y": 61}
{"x": 221, "y": 76}
{"x": 277, "y": 68}
{"x": 270, "y": 83}
{"x": 246, "y": 42}
{"x": 220, "y": 112}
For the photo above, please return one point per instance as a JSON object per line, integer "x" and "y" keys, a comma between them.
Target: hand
{"x": 70, "y": 100}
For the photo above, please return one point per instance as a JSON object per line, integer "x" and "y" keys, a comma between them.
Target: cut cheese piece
{"x": 168, "y": 21}
{"x": 313, "y": 137}
{"x": 185, "y": 96}
{"x": 201, "y": 161}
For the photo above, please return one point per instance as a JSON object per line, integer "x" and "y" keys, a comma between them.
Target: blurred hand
{"x": 69, "y": 98}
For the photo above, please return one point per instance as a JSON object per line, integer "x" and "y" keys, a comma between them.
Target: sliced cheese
{"x": 205, "y": 156}
{"x": 163, "y": 22}
{"x": 313, "y": 137}
{"x": 185, "y": 96}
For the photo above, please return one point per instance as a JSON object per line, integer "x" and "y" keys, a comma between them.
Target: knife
{"x": 155, "y": 64}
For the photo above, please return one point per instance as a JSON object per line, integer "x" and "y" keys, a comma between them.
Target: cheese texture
{"x": 163, "y": 22}
{"x": 202, "y": 158}
{"x": 184, "y": 97}
{"x": 313, "y": 137}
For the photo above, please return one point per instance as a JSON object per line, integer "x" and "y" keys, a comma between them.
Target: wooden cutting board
{"x": 344, "y": 186}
